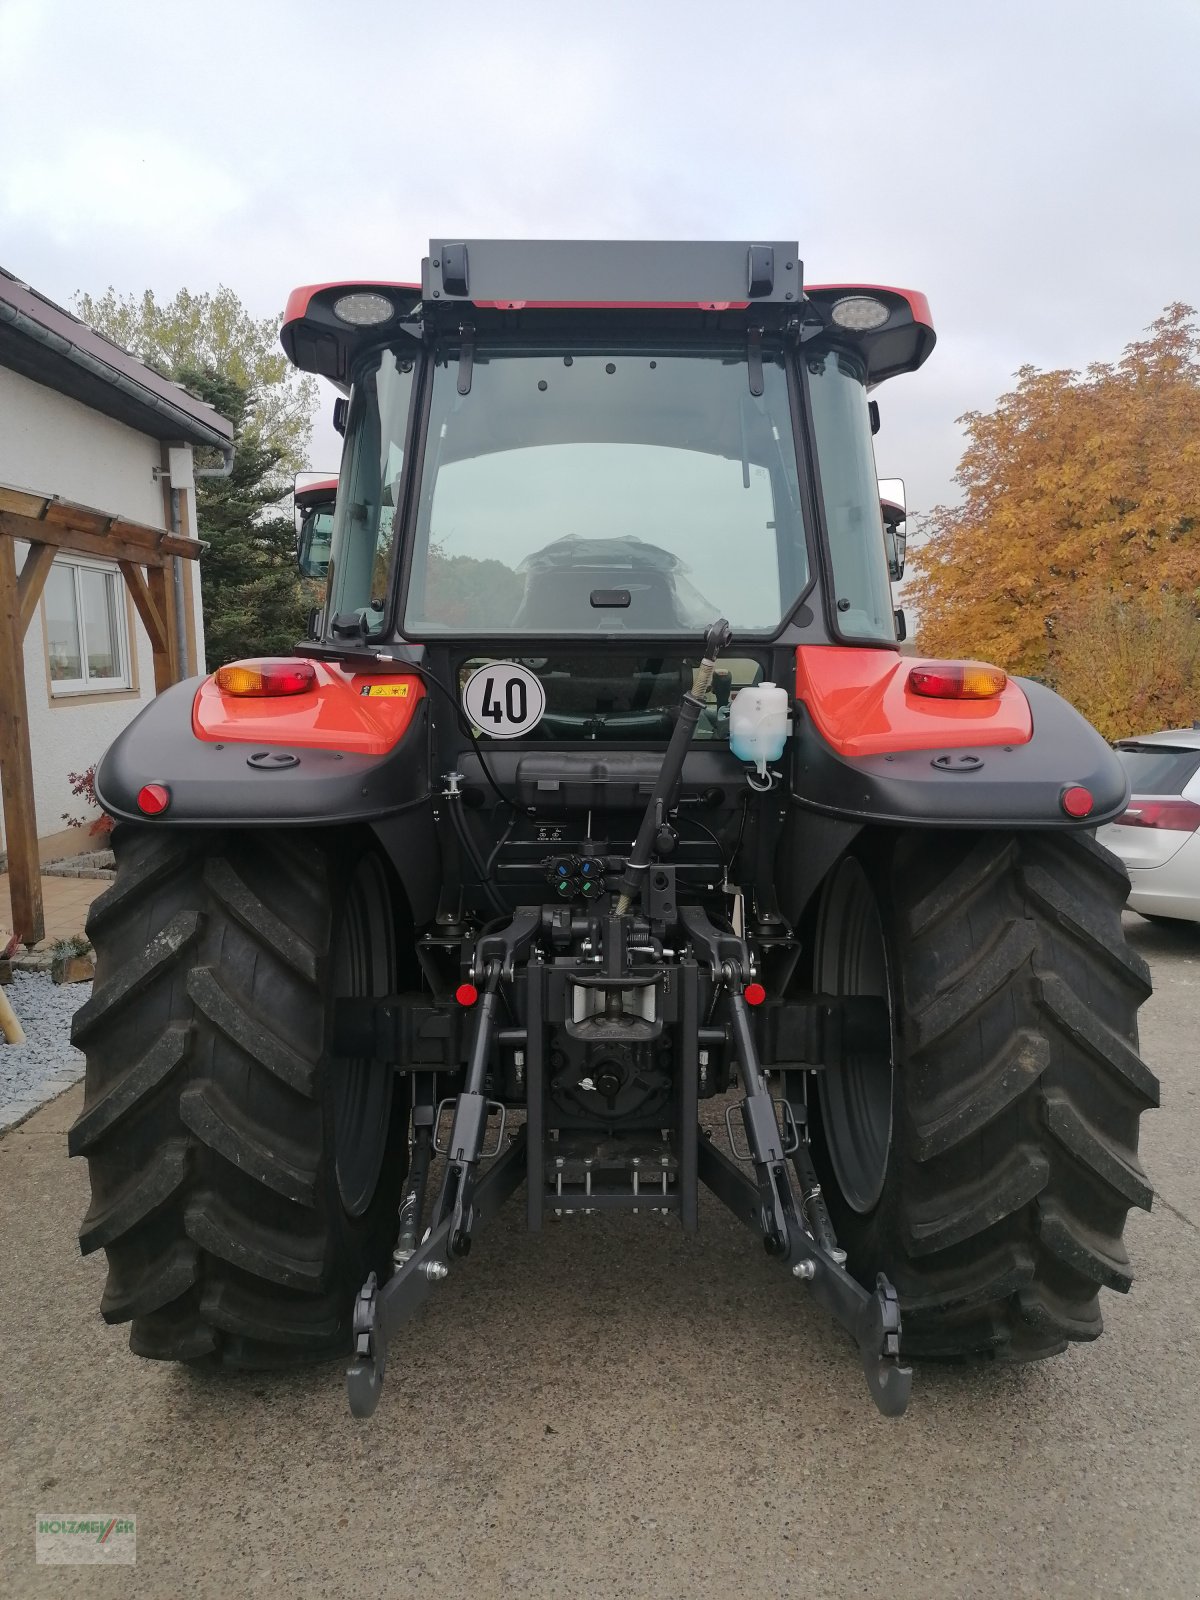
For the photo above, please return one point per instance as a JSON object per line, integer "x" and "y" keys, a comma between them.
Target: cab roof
{"x": 725, "y": 283}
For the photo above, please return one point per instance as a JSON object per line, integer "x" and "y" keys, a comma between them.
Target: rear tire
{"x": 993, "y": 1186}
{"x": 244, "y": 1182}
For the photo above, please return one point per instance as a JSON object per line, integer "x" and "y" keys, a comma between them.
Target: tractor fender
{"x": 957, "y": 780}
{"x": 236, "y": 775}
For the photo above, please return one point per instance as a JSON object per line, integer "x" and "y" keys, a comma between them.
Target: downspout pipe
{"x": 185, "y": 660}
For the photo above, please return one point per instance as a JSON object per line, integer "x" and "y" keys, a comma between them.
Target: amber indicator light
{"x": 957, "y": 680}
{"x": 269, "y": 675}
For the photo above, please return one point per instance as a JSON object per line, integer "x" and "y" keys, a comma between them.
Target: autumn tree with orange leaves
{"x": 1074, "y": 556}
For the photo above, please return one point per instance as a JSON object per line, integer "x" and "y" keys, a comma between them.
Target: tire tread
{"x": 205, "y": 1126}
{"x": 1015, "y": 1147}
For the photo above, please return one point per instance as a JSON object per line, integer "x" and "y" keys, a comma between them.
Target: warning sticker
{"x": 386, "y": 691}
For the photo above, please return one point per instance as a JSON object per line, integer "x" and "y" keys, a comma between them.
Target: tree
{"x": 1076, "y": 539}
{"x": 1133, "y": 664}
{"x": 215, "y": 333}
{"x": 254, "y": 599}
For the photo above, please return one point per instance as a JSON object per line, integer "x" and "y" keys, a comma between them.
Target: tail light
{"x": 267, "y": 675}
{"x": 957, "y": 680}
{"x": 1180, "y": 816}
{"x": 153, "y": 799}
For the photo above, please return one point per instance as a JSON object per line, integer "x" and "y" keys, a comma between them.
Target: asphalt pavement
{"x": 614, "y": 1410}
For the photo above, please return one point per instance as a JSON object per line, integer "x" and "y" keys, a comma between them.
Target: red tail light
{"x": 957, "y": 680}
{"x": 153, "y": 799}
{"x": 1180, "y": 816}
{"x": 266, "y": 676}
{"x": 1077, "y": 801}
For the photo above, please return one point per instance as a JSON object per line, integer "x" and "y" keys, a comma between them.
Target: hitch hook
{"x": 889, "y": 1382}
{"x": 364, "y": 1376}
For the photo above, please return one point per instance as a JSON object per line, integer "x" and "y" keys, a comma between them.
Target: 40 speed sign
{"x": 505, "y": 699}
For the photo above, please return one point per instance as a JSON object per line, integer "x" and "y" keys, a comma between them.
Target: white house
{"x": 83, "y": 421}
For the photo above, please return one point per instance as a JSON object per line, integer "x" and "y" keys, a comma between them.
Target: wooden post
{"x": 166, "y": 655}
{"x": 33, "y": 580}
{"x": 16, "y": 761}
{"x": 153, "y": 623}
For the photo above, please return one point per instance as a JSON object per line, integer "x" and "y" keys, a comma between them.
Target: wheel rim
{"x": 856, "y": 1094}
{"x": 362, "y": 1104}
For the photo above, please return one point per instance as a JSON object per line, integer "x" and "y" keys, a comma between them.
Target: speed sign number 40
{"x": 505, "y": 699}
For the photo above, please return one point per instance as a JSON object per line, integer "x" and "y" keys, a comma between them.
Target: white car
{"x": 1158, "y": 835}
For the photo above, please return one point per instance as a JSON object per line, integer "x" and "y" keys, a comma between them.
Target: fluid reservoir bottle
{"x": 758, "y": 724}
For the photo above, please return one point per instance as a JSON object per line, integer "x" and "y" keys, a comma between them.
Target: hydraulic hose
{"x": 718, "y": 638}
{"x": 453, "y": 800}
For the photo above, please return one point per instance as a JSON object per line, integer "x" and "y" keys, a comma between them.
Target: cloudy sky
{"x": 1033, "y": 166}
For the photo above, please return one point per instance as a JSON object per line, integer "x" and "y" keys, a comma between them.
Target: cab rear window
{"x": 1157, "y": 769}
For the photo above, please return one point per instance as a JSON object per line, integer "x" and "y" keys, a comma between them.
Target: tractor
{"x": 601, "y": 843}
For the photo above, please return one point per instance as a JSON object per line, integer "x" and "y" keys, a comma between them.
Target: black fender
{"x": 236, "y": 784}
{"x": 965, "y": 786}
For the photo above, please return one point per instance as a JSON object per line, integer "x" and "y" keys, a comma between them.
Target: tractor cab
{"x": 525, "y": 462}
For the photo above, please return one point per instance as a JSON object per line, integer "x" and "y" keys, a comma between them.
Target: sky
{"x": 1034, "y": 168}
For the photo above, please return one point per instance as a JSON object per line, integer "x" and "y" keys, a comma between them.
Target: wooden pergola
{"x": 144, "y": 555}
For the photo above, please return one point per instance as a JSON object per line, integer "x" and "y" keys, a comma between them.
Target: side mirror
{"x": 341, "y": 409}
{"x": 897, "y": 540}
{"x": 313, "y": 501}
{"x": 312, "y": 547}
{"x": 873, "y": 413}
{"x": 895, "y": 535}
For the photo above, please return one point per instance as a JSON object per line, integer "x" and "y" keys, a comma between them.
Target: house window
{"x": 87, "y": 638}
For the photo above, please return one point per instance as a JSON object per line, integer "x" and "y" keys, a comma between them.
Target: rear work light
{"x": 1180, "y": 816}
{"x": 860, "y": 313}
{"x": 266, "y": 676}
{"x": 364, "y": 310}
{"x": 957, "y": 680}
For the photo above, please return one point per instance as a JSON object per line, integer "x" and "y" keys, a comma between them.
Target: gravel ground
{"x": 47, "y": 1063}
